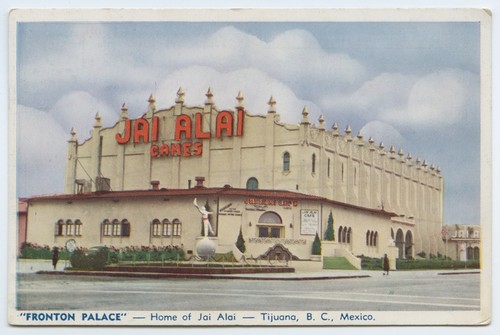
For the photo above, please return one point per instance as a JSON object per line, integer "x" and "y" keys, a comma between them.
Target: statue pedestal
{"x": 205, "y": 247}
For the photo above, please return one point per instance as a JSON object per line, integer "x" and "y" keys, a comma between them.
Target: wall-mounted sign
{"x": 271, "y": 202}
{"x": 187, "y": 131}
{"x": 309, "y": 221}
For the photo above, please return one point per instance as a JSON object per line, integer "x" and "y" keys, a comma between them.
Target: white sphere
{"x": 205, "y": 248}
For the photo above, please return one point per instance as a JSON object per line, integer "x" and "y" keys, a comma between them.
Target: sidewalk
{"x": 45, "y": 267}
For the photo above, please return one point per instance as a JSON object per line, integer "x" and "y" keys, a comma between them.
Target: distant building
{"x": 132, "y": 184}
{"x": 462, "y": 242}
{"x": 22, "y": 223}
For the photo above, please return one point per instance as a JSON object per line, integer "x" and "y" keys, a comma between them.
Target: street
{"x": 401, "y": 291}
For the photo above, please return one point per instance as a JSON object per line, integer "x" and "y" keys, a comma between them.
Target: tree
{"x": 316, "y": 247}
{"x": 240, "y": 243}
{"x": 330, "y": 231}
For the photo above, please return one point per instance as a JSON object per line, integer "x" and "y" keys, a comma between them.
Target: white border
{"x": 487, "y": 158}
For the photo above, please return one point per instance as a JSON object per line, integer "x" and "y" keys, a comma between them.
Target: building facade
{"x": 381, "y": 198}
{"x": 462, "y": 242}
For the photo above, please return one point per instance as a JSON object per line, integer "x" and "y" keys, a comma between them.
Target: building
{"x": 276, "y": 182}
{"x": 462, "y": 242}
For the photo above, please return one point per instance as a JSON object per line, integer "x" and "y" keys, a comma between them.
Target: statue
{"x": 207, "y": 227}
{"x": 205, "y": 248}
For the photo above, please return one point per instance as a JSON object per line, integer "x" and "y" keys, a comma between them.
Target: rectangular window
{"x": 106, "y": 229}
{"x": 116, "y": 229}
{"x": 78, "y": 230}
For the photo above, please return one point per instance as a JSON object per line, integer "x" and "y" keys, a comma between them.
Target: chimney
{"x": 199, "y": 182}
{"x": 155, "y": 185}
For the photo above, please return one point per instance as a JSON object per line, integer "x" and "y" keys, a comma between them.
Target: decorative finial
{"x": 73, "y": 135}
{"x": 321, "y": 122}
{"x": 409, "y": 158}
{"x": 359, "y": 136}
{"x": 209, "y": 96}
{"x": 98, "y": 120}
{"x": 151, "y": 99}
{"x": 335, "y": 126}
{"x": 381, "y": 146}
{"x": 124, "y": 114}
{"x": 180, "y": 96}
{"x": 371, "y": 140}
{"x": 305, "y": 116}
{"x": 392, "y": 150}
{"x": 240, "y": 100}
{"x": 271, "y": 103}
{"x": 401, "y": 153}
{"x": 348, "y": 130}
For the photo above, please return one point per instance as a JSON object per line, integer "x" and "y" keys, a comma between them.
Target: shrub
{"x": 330, "y": 232}
{"x": 240, "y": 243}
{"x": 316, "y": 246}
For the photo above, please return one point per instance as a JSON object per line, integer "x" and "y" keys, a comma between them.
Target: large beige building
{"x": 276, "y": 181}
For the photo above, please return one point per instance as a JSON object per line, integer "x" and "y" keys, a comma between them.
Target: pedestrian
{"x": 386, "y": 265}
{"x": 55, "y": 256}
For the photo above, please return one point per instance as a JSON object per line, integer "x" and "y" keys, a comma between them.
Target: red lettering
{"x": 154, "y": 151}
{"x": 185, "y": 149}
{"x": 197, "y": 148}
{"x": 164, "y": 150}
{"x": 141, "y": 130}
{"x": 198, "y": 131}
{"x": 182, "y": 125}
{"x": 241, "y": 117}
{"x": 154, "y": 130}
{"x": 175, "y": 149}
{"x": 224, "y": 122}
{"x": 126, "y": 137}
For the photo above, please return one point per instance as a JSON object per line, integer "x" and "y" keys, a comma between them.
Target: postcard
{"x": 250, "y": 167}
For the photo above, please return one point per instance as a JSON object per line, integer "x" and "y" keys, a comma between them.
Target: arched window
{"x": 286, "y": 161}
{"x": 328, "y": 168}
{"x": 313, "y": 163}
{"x": 270, "y": 225}
{"x": 156, "y": 227}
{"x": 125, "y": 228}
{"x": 349, "y": 233}
{"x": 106, "y": 228}
{"x": 375, "y": 239}
{"x": 78, "y": 227}
{"x": 116, "y": 228}
{"x": 372, "y": 235}
{"x": 167, "y": 228}
{"x": 340, "y": 235}
{"x": 60, "y": 228}
{"x": 176, "y": 227}
{"x": 69, "y": 228}
{"x": 252, "y": 183}
{"x": 368, "y": 237}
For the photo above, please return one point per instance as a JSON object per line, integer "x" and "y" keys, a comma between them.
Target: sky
{"x": 411, "y": 85}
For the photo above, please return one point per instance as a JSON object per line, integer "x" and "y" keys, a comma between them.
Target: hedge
{"x": 368, "y": 263}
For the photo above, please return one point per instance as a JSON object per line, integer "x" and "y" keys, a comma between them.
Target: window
{"x": 167, "y": 228}
{"x": 270, "y": 225}
{"x": 116, "y": 228}
{"x": 313, "y": 163}
{"x": 156, "y": 229}
{"x": 106, "y": 228}
{"x": 60, "y": 228}
{"x": 125, "y": 228}
{"x": 286, "y": 161}
{"x": 252, "y": 183}
{"x": 328, "y": 169}
{"x": 78, "y": 227}
{"x": 176, "y": 227}
{"x": 69, "y": 228}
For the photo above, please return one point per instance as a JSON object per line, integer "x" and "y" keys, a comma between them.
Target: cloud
{"x": 41, "y": 152}
{"x": 442, "y": 98}
{"x": 383, "y": 132}
{"x": 78, "y": 109}
{"x": 294, "y": 56}
{"x": 435, "y": 99}
{"x": 256, "y": 86}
